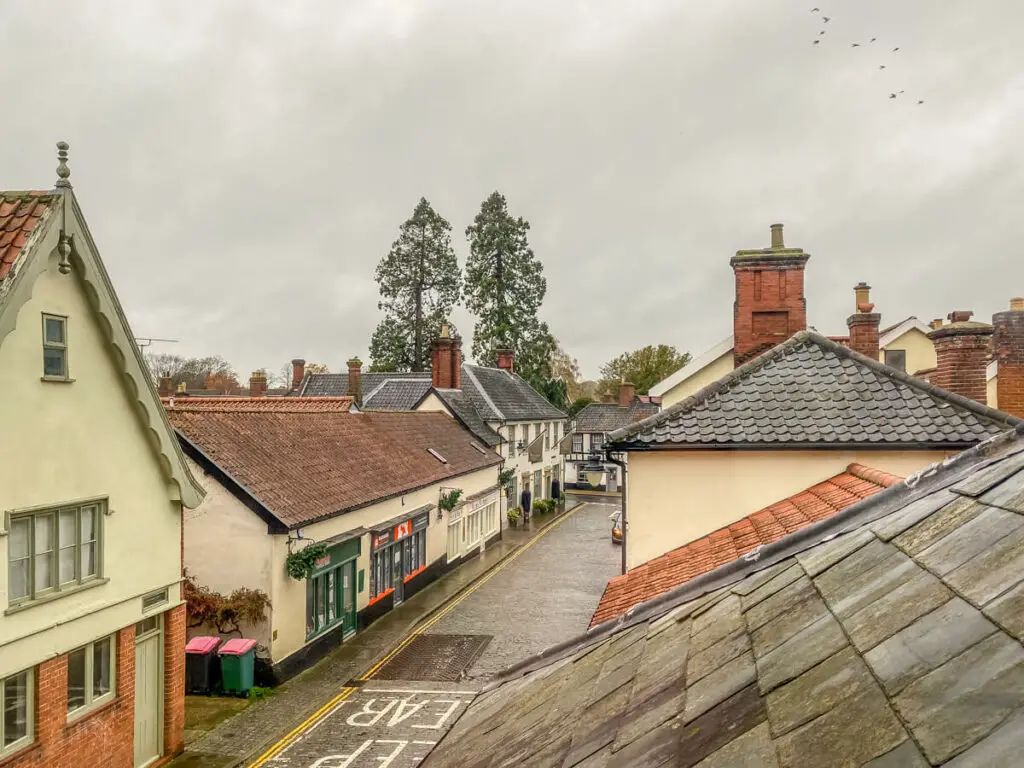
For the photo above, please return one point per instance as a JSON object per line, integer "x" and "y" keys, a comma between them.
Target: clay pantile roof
{"x": 311, "y": 464}
{"x": 677, "y": 567}
{"x": 891, "y": 634}
{"x": 812, "y": 392}
{"x": 20, "y": 214}
{"x": 258, "y": 404}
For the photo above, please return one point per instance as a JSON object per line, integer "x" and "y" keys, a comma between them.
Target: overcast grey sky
{"x": 245, "y": 165}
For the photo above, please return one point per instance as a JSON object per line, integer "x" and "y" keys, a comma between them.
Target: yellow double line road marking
{"x": 293, "y": 735}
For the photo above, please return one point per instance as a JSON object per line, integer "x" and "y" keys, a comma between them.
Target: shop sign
{"x": 402, "y": 530}
{"x": 481, "y": 503}
{"x": 382, "y": 539}
{"x": 421, "y": 522}
{"x": 455, "y": 515}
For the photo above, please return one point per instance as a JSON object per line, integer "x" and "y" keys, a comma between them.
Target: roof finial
{"x": 63, "y": 172}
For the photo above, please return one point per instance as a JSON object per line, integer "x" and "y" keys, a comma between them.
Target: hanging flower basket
{"x": 300, "y": 564}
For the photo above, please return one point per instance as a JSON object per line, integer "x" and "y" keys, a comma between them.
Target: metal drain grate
{"x": 435, "y": 658}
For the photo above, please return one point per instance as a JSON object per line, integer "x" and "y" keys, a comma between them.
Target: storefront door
{"x": 538, "y": 486}
{"x": 398, "y": 573}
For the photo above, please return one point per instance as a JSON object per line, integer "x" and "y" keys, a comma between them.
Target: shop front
{"x": 331, "y": 591}
{"x": 398, "y": 554}
{"x": 473, "y": 524}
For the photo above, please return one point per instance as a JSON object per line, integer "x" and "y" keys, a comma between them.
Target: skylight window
{"x": 437, "y": 456}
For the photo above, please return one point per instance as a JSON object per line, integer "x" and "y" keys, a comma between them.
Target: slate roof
{"x": 810, "y": 391}
{"x": 890, "y": 635}
{"x": 462, "y": 407}
{"x": 396, "y": 395}
{"x": 678, "y": 566}
{"x": 607, "y": 417}
{"x": 499, "y": 395}
{"x": 308, "y": 465}
{"x": 20, "y": 213}
{"x": 336, "y": 384}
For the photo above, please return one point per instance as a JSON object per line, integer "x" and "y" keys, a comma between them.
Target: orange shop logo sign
{"x": 403, "y": 529}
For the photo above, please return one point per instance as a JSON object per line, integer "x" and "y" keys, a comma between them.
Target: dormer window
{"x": 55, "y": 347}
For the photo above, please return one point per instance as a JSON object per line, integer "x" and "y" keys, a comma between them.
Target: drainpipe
{"x": 617, "y": 462}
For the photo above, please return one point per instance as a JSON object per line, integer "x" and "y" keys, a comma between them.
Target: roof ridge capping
{"x": 794, "y": 342}
{"x": 933, "y": 478}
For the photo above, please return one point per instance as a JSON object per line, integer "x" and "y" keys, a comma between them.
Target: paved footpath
{"x": 564, "y": 566}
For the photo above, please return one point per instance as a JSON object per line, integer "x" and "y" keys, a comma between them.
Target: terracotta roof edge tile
{"x": 872, "y": 475}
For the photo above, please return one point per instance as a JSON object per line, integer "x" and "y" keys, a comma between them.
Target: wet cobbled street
{"x": 546, "y": 596}
{"x": 396, "y": 713}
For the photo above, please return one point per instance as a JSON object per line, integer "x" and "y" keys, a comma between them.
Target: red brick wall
{"x": 961, "y": 361}
{"x": 864, "y": 333}
{"x": 174, "y": 681}
{"x": 766, "y": 288}
{"x": 1008, "y": 344}
{"x": 441, "y": 364}
{"x": 105, "y": 737}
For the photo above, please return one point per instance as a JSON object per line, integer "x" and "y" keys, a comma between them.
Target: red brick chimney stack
{"x": 355, "y": 380}
{"x": 456, "y": 377}
{"x": 962, "y": 351}
{"x": 864, "y": 323}
{"x": 770, "y": 305}
{"x": 164, "y": 384}
{"x": 441, "y": 360}
{"x": 258, "y": 384}
{"x": 1008, "y": 345}
{"x": 506, "y": 359}
{"x": 298, "y": 373}
{"x": 626, "y": 394}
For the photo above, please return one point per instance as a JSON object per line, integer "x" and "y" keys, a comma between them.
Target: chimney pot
{"x": 298, "y": 373}
{"x": 864, "y": 323}
{"x": 777, "y": 241}
{"x": 1017, "y": 304}
{"x": 936, "y": 323}
{"x": 626, "y": 393}
{"x": 506, "y": 359}
{"x": 961, "y": 316}
{"x": 181, "y": 387}
{"x": 355, "y": 380}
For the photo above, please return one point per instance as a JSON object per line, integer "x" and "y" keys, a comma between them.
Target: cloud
{"x": 245, "y": 166}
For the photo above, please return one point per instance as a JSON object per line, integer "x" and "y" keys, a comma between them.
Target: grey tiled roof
{"x": 607, "y": 417}
{"x": 396, "y": 395}
{"x": 459, "y": 403}
{"x": 889, "y": 635}
{"x": 809, "y": 390}
{"x": 499, "y": 395}
{"x": 336, "y": 384}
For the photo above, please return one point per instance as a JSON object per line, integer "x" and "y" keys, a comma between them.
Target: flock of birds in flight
{"x": 821, "y": 34}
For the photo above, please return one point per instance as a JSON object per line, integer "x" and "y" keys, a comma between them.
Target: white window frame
{"x": 30, "y": 713}
{"x": 80, "y": 580}
{"x": 91, "y": 700}
{"x": 600, "y": 445}
{"x": 62, "y": 347}
{"x": 576, "y": 436}
{"x": 511, "y": 440}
